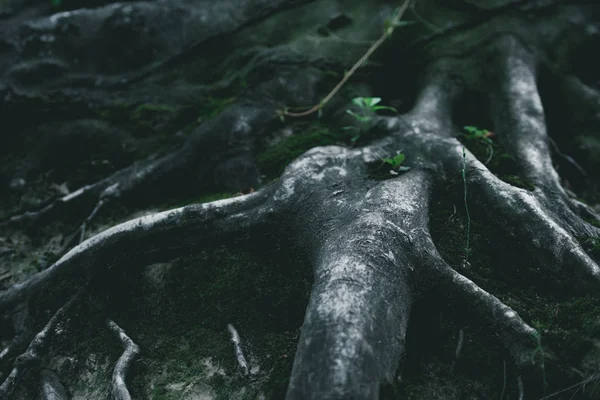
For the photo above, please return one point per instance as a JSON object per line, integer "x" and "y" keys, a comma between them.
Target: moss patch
{"x": 493, "y": 154}
{"x": 273, "y": 160}
{"x": 178, "y": 313}
{"x": 569, "y": 324}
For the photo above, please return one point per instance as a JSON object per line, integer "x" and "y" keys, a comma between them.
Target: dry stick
{"x": 36, "y": 348}
{"x": 237, "y": 348}
{"x": 119, "y": 387}
{"x": 88, "y": 219}
{"x": 354, "y": 68}
{"x": 459, "y": 346}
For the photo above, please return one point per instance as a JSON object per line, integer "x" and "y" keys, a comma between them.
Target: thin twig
{"x": 423, "y": 20}
{"x": 464, "y": 176}
{"x": 237, "y": 348}
{"x": 459, "y": 345}
{"x": 354, "y": 68}
{"x": 504, "y": 381}
{"x": 567, "y": 157}
{"x": 88, "y": 219}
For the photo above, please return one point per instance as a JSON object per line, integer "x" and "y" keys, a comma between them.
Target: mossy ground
{"x": 569, "y": 324}
{"x": 177, "y": 313}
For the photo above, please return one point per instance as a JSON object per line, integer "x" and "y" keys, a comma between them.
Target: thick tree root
{"x": 367, "y": 241}
{"x": 161, "y": 235}
{"x": 38, "y": 346}
{"x": 50, "y": 386}
{"x": 218, "y": 153}
{"x": 118, "y": 386}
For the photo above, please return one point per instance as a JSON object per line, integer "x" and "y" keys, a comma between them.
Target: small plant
{"x": 481, "y": 135}
{"x": 464, "y": 177}
{"x": 396, "y": 163}
{"x": 368, "y": 106}
{"x": 539, "y": 352}
{"x": 389, "y": 27}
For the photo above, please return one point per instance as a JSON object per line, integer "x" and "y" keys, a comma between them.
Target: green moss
{"x": 569, "y": 323}
{"x": 497, "y": 160}
{"x": 160, "y": 119}
{"x": 179, "y": 313}
{"x": 272, "y": 161}
{"x": 517, "y": 181}
{"x": 213, "y": 106}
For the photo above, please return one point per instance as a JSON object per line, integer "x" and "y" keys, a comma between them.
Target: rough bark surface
{"x": 346, "y": 277}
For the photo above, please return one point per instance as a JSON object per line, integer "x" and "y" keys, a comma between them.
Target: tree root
{"x": 38, "y": 346}
{"x": 237, "y": 349}
{"x": 119, "y": 388}
{"x": 232, "y": 137}
{"x": 50, "y": 386}
{"x": 176, "y": 231}
{"x": 368, "y": 241}
{"x": 21, "y": 337}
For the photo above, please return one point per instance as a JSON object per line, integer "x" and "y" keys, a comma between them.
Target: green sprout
{"x": 464, "y": 177}
{"x": 368, "y": 106}
{"x": 482, "y": 135}
{"x": 539, "y": 352}
{"x": 396, "y": 163}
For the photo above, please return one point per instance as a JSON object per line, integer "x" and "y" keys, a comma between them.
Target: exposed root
{"x": 149, "y": 238}
{"x": 38, "y": 346}
{"x": 51, "y": 387}
{"x": 514, "y": 333}
{"x": 219, "y": 152}
{"x": 355, "y": 325}
{"x": 237, "y": 349}
{"x": 543, "y": 222}
{"x": 21, "y": 337}
{"x": 118, "y": 386}
{"x": 366, "y": 240}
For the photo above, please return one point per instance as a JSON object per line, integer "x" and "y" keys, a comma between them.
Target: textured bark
{"x": 367, "y": 240}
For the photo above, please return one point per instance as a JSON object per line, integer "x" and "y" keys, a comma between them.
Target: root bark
{"x": 367, "y": 241}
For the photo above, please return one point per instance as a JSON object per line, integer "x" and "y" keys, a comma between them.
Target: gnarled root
{"x": 51, "y": 387}
{"x": 38, "y": 346}
{"x": 131, "y": 350}
{"x": 368, "y": 241}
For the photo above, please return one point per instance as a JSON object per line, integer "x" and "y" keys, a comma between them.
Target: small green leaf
{"x": 361, "y": 118}
{"x": 470, "y": 129}
{"x": 399, "y": 159}
{"x": 395, "y": 161}
{"x": 359, "y": 101}
{"x": 371, "y": 101}
{"x": 377, "y": 108}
